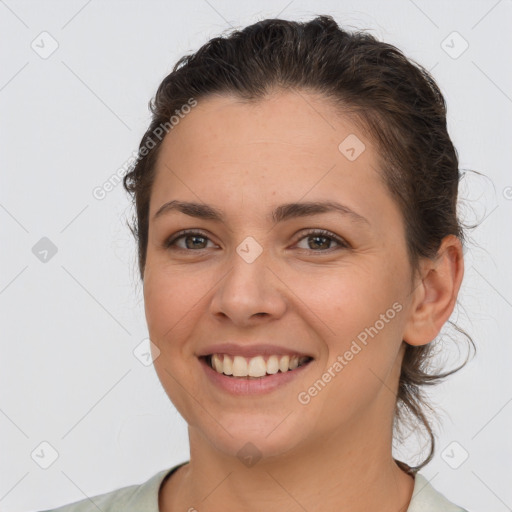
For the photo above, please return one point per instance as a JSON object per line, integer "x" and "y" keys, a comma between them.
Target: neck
{"x": 318, "y": 476}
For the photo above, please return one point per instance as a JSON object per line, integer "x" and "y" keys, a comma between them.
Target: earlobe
{"x": 435, "y": 297}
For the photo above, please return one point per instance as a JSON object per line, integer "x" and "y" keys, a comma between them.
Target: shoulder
{"x": 139, "y": 497}
{"x": 425, "y": 498}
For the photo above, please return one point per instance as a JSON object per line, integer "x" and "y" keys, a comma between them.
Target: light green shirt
{"x": 144, "y": 498}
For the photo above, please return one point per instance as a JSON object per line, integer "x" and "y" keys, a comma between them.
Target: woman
{"x": 299, "y": 247}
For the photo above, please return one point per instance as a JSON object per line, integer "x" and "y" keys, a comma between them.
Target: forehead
{"x": 287, "y": 146}
{"x": 299, "y": 119}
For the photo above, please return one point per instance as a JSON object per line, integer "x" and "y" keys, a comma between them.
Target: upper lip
{"x": 250, "y": 350}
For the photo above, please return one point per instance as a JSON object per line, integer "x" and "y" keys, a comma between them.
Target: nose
{"x": 249, "y": 292}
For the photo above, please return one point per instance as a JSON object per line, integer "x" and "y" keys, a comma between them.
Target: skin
{"x": 245, "y": 159}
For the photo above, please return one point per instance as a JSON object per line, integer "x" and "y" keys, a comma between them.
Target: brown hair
{"x": 394, "y": 99}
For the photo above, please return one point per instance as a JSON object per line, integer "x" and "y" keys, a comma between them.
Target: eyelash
{"x": 168, "y": 244}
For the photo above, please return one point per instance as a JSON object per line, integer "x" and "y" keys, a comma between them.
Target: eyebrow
{"x": 280, "y": 214}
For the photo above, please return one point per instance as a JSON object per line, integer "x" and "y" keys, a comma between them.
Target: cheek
{"x": 360, "y": 311}
{"x": 347, "y": 300}
{"x": 169, "y": 302}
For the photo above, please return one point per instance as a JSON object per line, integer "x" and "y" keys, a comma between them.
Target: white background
{"x": 68, "y": 375}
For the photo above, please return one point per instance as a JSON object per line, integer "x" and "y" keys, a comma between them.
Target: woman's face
{"x": 247, "y": 284}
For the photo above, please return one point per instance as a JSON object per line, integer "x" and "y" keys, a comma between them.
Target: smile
{"x": 254, "y": 367}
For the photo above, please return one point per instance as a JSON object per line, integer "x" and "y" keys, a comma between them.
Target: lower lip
{"x": 241, "y": 386}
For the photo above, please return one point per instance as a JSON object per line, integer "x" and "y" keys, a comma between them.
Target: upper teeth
{"x": 239, "y": 366}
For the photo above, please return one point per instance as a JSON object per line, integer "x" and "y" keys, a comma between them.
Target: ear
{"x": 436, "y": 294}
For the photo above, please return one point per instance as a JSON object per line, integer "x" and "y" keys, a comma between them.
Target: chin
{"x": 255, "y": 435}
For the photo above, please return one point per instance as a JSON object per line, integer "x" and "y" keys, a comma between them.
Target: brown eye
{"x": 321, "y": 240}
{"x": 194, "y": 240}
{"x": 318, "y": 241}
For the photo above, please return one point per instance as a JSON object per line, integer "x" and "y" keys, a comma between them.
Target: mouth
{"x": 257, "y": 367}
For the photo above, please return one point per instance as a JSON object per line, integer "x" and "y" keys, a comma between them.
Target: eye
{"x": 321, "y": 238}
{"x": 198, "y": 240}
